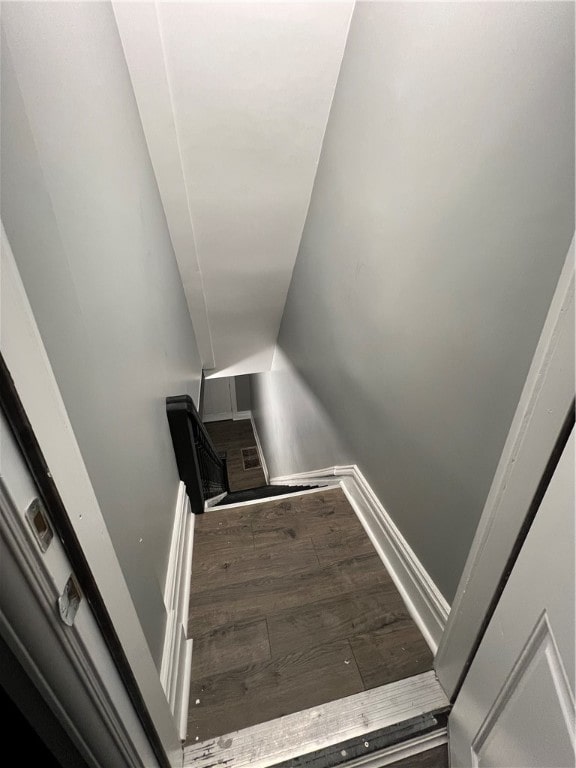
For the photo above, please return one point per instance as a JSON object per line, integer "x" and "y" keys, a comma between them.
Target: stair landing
{"x": 290, "y": 609}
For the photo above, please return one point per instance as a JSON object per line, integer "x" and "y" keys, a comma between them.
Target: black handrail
{"x": 201, "y": 467}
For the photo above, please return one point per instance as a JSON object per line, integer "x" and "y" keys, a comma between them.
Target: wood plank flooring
{"x": 290, "y": 608}
{"x": 230, "y": 437}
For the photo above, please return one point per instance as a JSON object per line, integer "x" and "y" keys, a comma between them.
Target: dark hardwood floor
{"x": 231, "y": 437}
{"x": 290, "y": 608}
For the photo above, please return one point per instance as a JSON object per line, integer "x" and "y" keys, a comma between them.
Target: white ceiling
{"x": 234, "y": 99}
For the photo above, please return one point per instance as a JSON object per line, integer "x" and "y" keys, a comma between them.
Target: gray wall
{"x": 83, "y": 215}
{"x": 295, "y": 431}
{"x": 442, "y": 212}
{"x": 243, "y": 393}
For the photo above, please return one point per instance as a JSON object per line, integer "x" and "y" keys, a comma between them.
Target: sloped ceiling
{"x": 234, "y": 99}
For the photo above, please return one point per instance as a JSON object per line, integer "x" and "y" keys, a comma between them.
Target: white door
{"x": 219, "y": 398}
{"x": 516, "y": 706}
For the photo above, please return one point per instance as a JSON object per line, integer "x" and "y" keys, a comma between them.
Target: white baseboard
{"x": 280, "y": 497}
{"x": 242, "y": 415}
{"x": 260, "y": 451}
{"x": 315, "y": 477}
{"x": 176, "y": 664}
{"x": 426, "y": 604}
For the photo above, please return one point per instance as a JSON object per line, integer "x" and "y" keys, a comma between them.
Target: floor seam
{"x": 315, "y": 550}
{"x": 269, "y": 641}
{"x": 357, "y": 665}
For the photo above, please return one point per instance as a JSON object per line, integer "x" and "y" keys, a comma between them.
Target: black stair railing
{"x": 201, "y": 468}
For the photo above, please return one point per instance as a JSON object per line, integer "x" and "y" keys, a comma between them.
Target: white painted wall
{"x": 295, "y": 431}
{"x": 28, "y": 364}
{"x": 234, "y": 99}
{"x": 442, "y": 212}
{"x": 144, "y": 50}
{"x": 85, "y": 221}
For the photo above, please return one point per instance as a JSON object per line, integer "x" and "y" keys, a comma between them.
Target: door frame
{"x": 37, "y": 415}
{"x": 539, "y": 430}
{"x": 69, "y": 668}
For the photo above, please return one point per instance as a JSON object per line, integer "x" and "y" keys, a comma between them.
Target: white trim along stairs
{"x": 176, "y": 666}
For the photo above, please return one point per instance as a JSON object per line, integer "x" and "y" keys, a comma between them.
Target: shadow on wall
{"x": 296, "y": 433}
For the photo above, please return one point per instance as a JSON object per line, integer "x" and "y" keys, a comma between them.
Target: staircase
{"x": 202, "y": 468}
{"x": 263, "y": 492}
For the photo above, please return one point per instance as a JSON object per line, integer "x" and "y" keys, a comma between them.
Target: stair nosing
{"x": 312, "y": 730}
